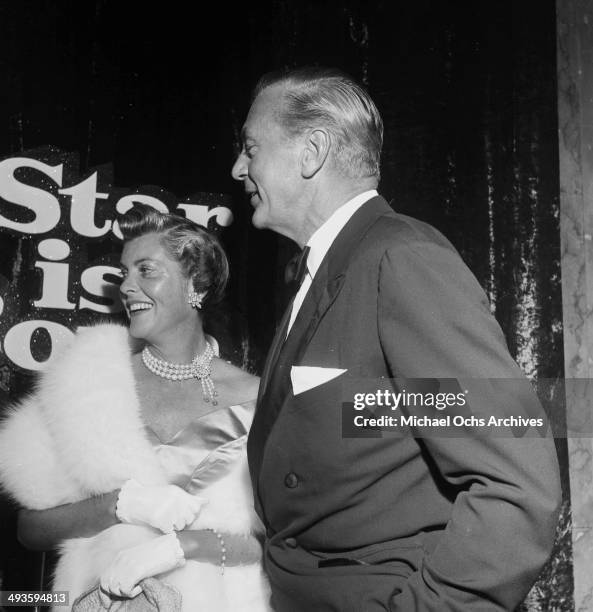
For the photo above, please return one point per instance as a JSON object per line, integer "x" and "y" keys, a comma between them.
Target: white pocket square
{"x": 304, "y": 378}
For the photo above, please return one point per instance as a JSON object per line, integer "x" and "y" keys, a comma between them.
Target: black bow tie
{"x": 296, "y": 269}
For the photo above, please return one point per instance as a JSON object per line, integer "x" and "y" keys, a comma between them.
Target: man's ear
{"x": 317, "y": 146}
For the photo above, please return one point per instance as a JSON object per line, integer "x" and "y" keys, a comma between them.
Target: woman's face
{"x": 154, "y": 290}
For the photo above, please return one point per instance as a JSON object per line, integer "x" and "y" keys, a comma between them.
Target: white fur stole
{"x": 80, "y": 435}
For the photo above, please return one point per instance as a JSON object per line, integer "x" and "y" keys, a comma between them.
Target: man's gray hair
{"x": 328, "y": 98}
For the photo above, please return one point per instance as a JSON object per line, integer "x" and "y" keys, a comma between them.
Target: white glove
{"x": 164, "y": 507}
{"x": 133, "y": 565}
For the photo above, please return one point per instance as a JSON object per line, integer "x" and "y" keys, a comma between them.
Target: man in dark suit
{"x": 365, "y": 523}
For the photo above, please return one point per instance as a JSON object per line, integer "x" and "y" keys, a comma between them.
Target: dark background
{"x": 468, "y": 95}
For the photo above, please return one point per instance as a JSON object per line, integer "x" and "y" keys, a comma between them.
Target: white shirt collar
{"x": 324, "y": 236}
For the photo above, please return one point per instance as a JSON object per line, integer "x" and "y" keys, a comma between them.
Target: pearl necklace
{"x": 199, "y": 368}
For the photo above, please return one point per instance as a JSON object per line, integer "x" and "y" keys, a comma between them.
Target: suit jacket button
{"x": 291, "y": 542}
{"x": 291, "y": 480}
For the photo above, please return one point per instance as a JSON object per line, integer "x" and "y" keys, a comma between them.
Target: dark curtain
{"x": 467, "y": 91}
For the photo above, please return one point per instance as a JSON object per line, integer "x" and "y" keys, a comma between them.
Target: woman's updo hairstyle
{"x": 197, "y": 250}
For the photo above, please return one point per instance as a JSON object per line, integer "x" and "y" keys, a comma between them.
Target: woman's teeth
{"x": 139, "y": 306}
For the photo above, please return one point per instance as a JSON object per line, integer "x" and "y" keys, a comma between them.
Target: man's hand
{"x": 166, "y": 507}
{"x": 134, "y": 564}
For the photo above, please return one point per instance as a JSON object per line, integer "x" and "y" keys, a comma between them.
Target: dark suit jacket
{"x": 398, "y": 523}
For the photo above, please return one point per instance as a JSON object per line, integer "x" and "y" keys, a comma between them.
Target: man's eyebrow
{"x": 245, "y": 135}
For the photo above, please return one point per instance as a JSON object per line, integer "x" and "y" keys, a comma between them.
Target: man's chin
{"x": 258, "y": 220}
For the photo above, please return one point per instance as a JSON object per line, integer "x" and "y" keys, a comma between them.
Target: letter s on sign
{"x": 99, "y": 281}
{"x": 45, "y": 206}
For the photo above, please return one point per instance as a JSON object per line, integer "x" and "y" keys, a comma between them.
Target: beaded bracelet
{"x": 222, "y": 548}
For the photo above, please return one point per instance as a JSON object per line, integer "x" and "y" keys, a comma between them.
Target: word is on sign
{"x": 62, "y": 243}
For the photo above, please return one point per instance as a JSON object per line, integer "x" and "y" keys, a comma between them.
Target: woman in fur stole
{"x": 132, "y": 461}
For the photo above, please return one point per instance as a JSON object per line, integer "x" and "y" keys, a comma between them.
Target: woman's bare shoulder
{"x": 239, "y": 383}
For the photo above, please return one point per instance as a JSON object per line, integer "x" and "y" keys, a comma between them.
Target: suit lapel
{"x": 275, "y": 385}
{"x": 325, "y": 288}
{"x": 274, "y": 352}
{"x": 318, "y": 300}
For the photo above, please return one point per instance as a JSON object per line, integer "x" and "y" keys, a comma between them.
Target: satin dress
{"x": 206, "y": 449}
{"x": 200, "y": 455}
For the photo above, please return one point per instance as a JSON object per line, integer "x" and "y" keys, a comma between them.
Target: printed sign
{"x": 60, "y": 246}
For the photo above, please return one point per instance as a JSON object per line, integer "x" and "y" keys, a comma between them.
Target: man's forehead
{"x": 245, "y": 133}
{"x": 268, "y": 104}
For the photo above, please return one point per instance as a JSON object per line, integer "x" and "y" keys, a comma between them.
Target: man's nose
{"x": 239, "y": 170}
